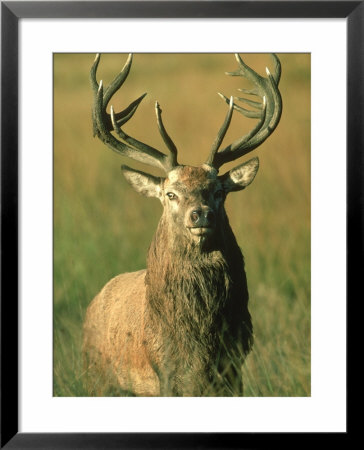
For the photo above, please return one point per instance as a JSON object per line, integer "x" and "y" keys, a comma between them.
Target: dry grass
{"x": 102, "y": 227}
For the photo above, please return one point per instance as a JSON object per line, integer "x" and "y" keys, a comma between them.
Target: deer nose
{"x": 202, "y": 217}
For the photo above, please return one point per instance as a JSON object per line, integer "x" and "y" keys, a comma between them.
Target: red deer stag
{"x": 182, "y": 326}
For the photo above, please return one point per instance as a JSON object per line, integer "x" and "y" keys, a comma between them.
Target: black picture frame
{"x": 11, "y": 12}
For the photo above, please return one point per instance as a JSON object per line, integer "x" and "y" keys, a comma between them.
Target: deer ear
{"x": 240, "y": 177}
{"x": 145, "y": 184}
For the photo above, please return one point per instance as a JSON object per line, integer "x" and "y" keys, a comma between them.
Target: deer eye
{"x": 171, "y": 196}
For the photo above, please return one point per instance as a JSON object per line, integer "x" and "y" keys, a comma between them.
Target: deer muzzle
{"x": 201, "y": 221}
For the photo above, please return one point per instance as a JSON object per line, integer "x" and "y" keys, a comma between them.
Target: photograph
{"x": 178, "y": 254}
{"x": 168, "y": 281}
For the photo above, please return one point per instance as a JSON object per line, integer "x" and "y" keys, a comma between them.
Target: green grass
{"x": 102, "y": 227}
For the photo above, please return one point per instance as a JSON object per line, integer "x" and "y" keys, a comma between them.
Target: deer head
{"x": 192, "y": 197}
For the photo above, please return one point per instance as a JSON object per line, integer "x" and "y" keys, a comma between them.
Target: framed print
{"x": 71, "y": 222}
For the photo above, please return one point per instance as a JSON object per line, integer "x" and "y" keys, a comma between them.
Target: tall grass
{"x": 102, "y": 227}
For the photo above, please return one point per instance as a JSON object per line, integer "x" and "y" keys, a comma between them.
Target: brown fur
{"x": 178, "y": 342}
{"x": 197, "y": 314}
{"x": 113, "y": 335}
{"x": 182, "y": 326}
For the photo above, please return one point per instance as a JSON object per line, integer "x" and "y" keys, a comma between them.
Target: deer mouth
{"x": 201, "y": 231}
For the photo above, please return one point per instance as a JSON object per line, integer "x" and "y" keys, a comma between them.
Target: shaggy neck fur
{"x": 197, "y": 299}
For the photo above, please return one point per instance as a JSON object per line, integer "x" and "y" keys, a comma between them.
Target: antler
{"x": 104, "y": 123}
{"x": 268, "y": 111}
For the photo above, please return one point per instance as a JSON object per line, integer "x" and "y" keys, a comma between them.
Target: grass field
{"x": 102, "y": 227}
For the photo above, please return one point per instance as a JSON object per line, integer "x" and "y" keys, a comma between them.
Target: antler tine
{"x": 268, "y": 112}
{"x": 104, "y": 123}
{"x": 221, "y": 134}
{"x": 172, "y": 157}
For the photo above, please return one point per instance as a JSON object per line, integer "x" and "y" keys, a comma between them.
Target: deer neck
{"x": 180, "y": 270}
{"x": 189, "y": 289}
